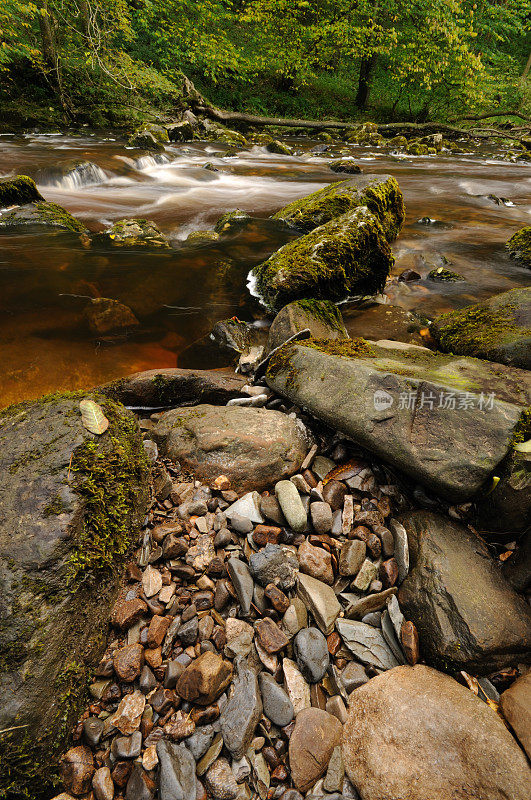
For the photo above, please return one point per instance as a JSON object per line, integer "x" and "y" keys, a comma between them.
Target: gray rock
{"x": 277, "y": 705}
{"x": 353, "y": 676}
{"x": 92, "y": 730}
{"x": 199, "y": 742}
{"x": 321, "y": 317}
{"x": 351, "y": 557}
{"x": 241, "y": 524}
{"x": 177, "y": 772}
{"x": 401, "y": 553}
{"x": 187, "y": 633}
{"x": 335, "y": 773}
{"x": 311, "y": 653}
{"x": 243, "y": 583}
{"x": 366, "y": 643}
{"x": 47, "y": 593}
{"x": 242, "y": 712}
{"x": 291, "y": 505}
{"x": 390, "y": 637}
{"x": 138, "y": 785}
{"x": 395, "y": 615}
{"x": 450, "y": 592}
{"x": 271, "y": 509}
{"x": 220, "y": 781}
{"x": 361, "y": 606}
{"x": 253, "y": 447}
{"x": 453, "y": 449}
{"x": 321, "y": 514}
{"x": 127, "y": 746}
{"x": 247, "y": 506}
{"x": 270, "y": 565}
{"x": 320, "y": 600}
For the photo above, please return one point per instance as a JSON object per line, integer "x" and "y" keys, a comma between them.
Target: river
{"x": 178, "y": 295}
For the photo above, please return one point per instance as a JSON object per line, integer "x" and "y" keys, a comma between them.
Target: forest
{"x": 106, "y": 63}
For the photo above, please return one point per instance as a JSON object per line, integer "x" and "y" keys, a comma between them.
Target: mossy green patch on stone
{"x": 231, "y": 221}
{"x": 519, "y": 245}
{"x": 49, "y": 215}
{"x": 349, "y": 348}
{"x": 18, "y": 191}
{"x": 443, "y": 275}
{"x": 323, "y": 310}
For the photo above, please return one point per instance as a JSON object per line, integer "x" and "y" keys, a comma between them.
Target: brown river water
{"x": 178, "y": 295}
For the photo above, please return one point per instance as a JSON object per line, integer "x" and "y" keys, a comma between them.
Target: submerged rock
{"x": 498, "y": 329}
{"x": 447, "y": 421}
{"x": 519, "y": 245}
{"x": 414, "y": 732}
{"x": 321, "y": 317}
{"x": 349, "y": 255}
{"x": 379, "y": 193}
{"x": 450, "y": 593}
{"x": 133, "y": 233}
{"x": 61, "y": 551}
{"x": 104, "y": 315}
{"x": 253, "y": 447}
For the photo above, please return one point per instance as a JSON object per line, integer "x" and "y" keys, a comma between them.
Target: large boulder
{"x": 467, "y": 615}
{"x": 515, "y": 704}
{"x": 253, "y": 447}
{"x": 40, "y": 215}
{"x": 321, "y": 317}
{"x": 498, "y": 329}
{"x": 506, "y": 507}
{"x": 132, "y": 233}
{"x": 379, "y": 193}
{"x": 18, "y": 191}
{"x": 519, "y": 246}
{"x": 415, "y": 733}
{"x": 446, "y": 421}
{"x": 71, "y": 503}
{"x": 349, "y": 255}
{"x": 381, "y": 321}
{"x": 175, "y": 387}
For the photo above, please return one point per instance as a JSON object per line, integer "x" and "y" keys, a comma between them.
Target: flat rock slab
{"x": 176, "y": 387}
{"x": 253, "y": 447}
{"x": 467, "y": 615}
{"x": 418, "y": 734}
{"x": 49, "y": 616}
{"x": 447, "y": 421}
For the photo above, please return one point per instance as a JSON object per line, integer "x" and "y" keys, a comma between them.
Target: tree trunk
{"x": 51, "y": 56}
{"x": 364, "y": 83}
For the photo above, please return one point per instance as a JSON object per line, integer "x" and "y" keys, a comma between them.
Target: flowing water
{"x": 178, "y": 295}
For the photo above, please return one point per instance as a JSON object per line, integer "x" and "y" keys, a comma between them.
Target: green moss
{"x": 55, "y": 507}
{"x": 107, "y": 480}
{"x": 280, "y": 361}
{"x": 444, "y": 275}
{"x": 324, "y": 311}
{"x": 348, "y": 348}
{"x": 382, "y": 197}
{"x": 132, "y": 233}
{"x": 231, "y": 220}
{"x": 519, "y": 245}
{"x": 200, "y": 237}
{"x": 477, "y": 330}
{"x": 42, "y": 213}
{"x": 275, "y": 146}
{"x": 347, "y": 256}
{"x": 522, "y": 431}
{"x": 18, "y": 191}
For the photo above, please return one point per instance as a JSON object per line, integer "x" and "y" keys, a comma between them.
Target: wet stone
{"x": 271, "y": 509}
{"x": 102, "y": 784}
{"x": 317, "y": 562}
{"x": 242, "y": 712}
{"x": 243, "y": 583}
{"x": 321, "y": 514}
{"x": 276, "y": 703}
{"x": 297, "y": 688}
{"x": 291, "y": 505}
{"x": 353, "y": 676}
{"x": 277, "y": 598}
{"x": 311, "y": 651}
{"x": 270, "y": 636}
{"x": 128, "y": 662}
{"x": 409, "y": 639}
{"x": 389, "y": 572}
{"x": 76, "y": 769}
{"x": 92, "y": 730}
{"x": 351, "y": 557}
{"x": 139, "y": 786}
{"x": 187, "y": 633}
{"x": 334, "y": 494}
{"x": 127, "y": 746}
{"x": 199, "y": 742}
{"x": 177, "y": 772}
{"x": 367, "y": 573}
{"x": 220, "y": 782}
{"x": 320, "y": 600}
{"x": 204, "y": 679}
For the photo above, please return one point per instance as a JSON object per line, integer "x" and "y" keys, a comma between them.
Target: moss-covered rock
{"x": 231, "y": 222}
{"x": 180, "y": 131}
{"x": 398, "y": 142}
{"x": 40, "y": 215}
{"x": 282, "y": 149}
{"x": 201, "y": 237}
{"x": 443, "y": 275}
{"x": 380, "y": 193}
{"x": 445, "y": 421}
{"x": 417, "y": 149}
{"x": 349, "y": 255}
{"x": 498, "y": 329}
{"x": 321, "y": 317}
{"x": 70, "y": 508}
{"x": 519, "y": 245}
{"x": 133, "y": 233}
{"x": 150, "y": 137}
{"x": 346, "y": 165}
{"x": 18, "y": 191}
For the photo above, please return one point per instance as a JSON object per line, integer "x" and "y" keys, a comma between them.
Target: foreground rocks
{"x": 446, "y": 421}
{"x": 498, "y": 329}
{"x": 61, "y": 548}
{"x": 132, "y": 234}
{"x": 18, "y": 191}
{"x": 449, "y": 594}
{"x": 175, "y": 387}
{"x": 415, "y": 733}
{"x": 320, "y": 317}
{"x": 253, "y": 447}
{"x": 519, "y": 246}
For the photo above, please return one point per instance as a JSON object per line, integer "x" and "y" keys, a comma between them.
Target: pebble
{"x": 243, "y": 583}
{"x": 389, "y": 635}
{"x": 297, "y": 688}
{"x": 177, "y": 771}
{"x": 127, "y": 746}
{"x": 353, "y": 676}
{"x": 140, "y": 786}
{"x": 401, "y": 548}
{"x": 362, "y": 606}
{"x": 368, "y": 571}
{"x": 102, "y": 784}
{"x": 366, "y": 643}
{"x": 276, "y": 702}
{"x": 247, "y": 506}
{"x": 336, "y": 707}
{"x": 220, "y": 782}
{"x": 241, "y": 524}
{"x": 277, "y": 598}
{"x": 334, "y": 493}
{"x": 76, "y": 768}
{"x": 320, "y": 600}
{"x": 128, "y": 662}
{"x": 351, "y": 557}
{"x": 315, "y": 736}
{"x": 199, "y": 742}
{"x": 296, "y": 617}
{"x": 311, "y": 652}
{"x": 321, "y": 515}
{"x": 316, "y": 561}
{"x": 348, "y": 515}
{"x": 270, "y": 565}
{"x": 92, "y": 731}
{"x": 151, "y": 581}
{"x": 409, "y": 640}
{"x": 242, "y": 712}
{"x": 204, "y": 679}
{"x": 291, "y": 505}
{"x": 210, "y": 756}
{"x": 270, "y": 508}
{"x": 322, "y": 466}
{"x": 389, "y": 572}
{"x": 335, "y": 773}
{"x": 270, "y": 636}
{"x": 127, "y": 716}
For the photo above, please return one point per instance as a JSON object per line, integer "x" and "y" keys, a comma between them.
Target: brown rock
{"x": 270, "y": 636}
{"x": 515, "y": 704}
{"x": 153, "y": 657}
{"x": 129, "y": 712}
{"x": 126, "y": 612}
{"x": 121, "y": 773}
{"x": 204, "y": 679}
{"x": 334, "y": 494}
{"x": 157, "y": 630}
{"x": 351, "y": 557}
{"x": 128, "y": 662}
{"x": 409, "y": 639}
{"x": 266, "y": 534}
{"x": 316, "y": 562}
{"x": 333, "y": 642}
{"x": 314, "y": 737}
{"x": 388, "y": 573}
{"x": 415, "y": 733}
{"x": 76, "y": 769}
{"x": 174, "y": 546}
{"x": 277, "y": 598}
{"x": 371, "y": 540}
{"x": 179, "y": 726}
{"x": 102, "y": 784}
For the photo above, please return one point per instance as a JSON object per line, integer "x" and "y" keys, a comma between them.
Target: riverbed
{"x": 460, "y": 210}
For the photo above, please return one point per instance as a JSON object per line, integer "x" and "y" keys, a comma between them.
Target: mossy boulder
{"x": 321, "y": 317}
{"x": 397, "y": 142}
{"x": 417, "y": 149}
{"x": 506, "y": 507}
{"x": 201, "y": 237}
{"x": 40, "y": 215}
{"x": 346, "y": 165}
{"x": 444, "y": 275}
{"x": 380, "y": 193}
{"x": 71, "y": 504}
{"x": 347, "y": 256}
{"x": 519, "y": 245}
{"x": 132, "y": 233}
{"x": 275, "y": 146}
{"x": 446, "y": 421}
{"x": 231, "y": 222}
{"x": 18, "y": 191}
{"x": 180, "y": 131}
{"x": 498, "y": 329}
{"x": 150, "y": 137}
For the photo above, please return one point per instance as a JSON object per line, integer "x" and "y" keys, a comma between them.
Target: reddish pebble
{"x": 389, "y": 573}
{"x": 409, "y": 639}
{"x": 333, "y": 643}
